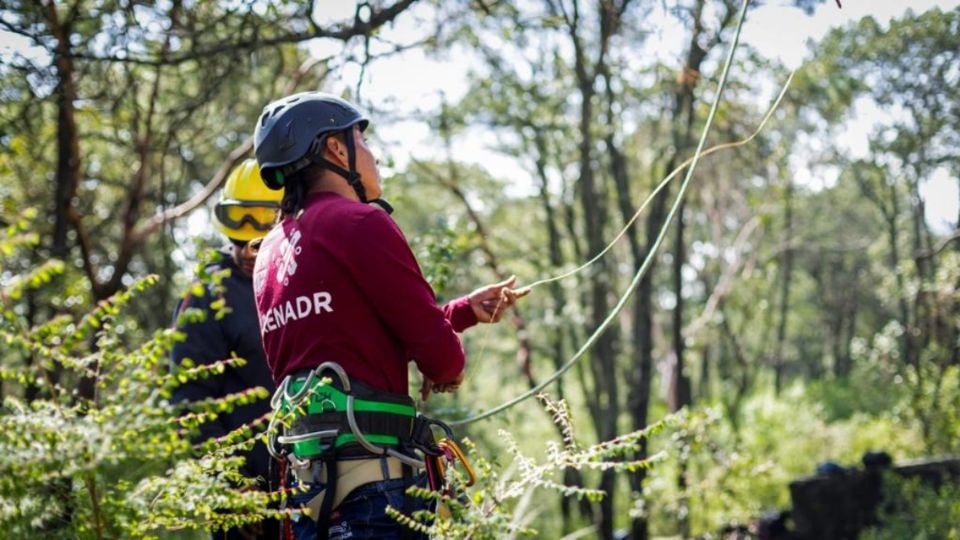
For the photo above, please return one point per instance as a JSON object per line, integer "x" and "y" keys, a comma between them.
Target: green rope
{"x": 650, "y": 255}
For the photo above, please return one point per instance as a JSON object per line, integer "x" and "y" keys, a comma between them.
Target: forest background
{"x": 803, "y": 307}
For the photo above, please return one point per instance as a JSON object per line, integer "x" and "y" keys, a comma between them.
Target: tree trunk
{"x": 893, "y": 234}
{"x": 603, "y": 361}
{"x": 682, "y": 126}
{"x": 680, "y": 381}
{"x": 68, "y": 147}
{"x": 639, "y": 398}
{"x": 602, "y": 355}
{"x": 786, "y": 268}
{"x": 703, "y": 385}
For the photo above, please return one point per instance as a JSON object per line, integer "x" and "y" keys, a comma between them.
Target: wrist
{"x": 462, "y": 314}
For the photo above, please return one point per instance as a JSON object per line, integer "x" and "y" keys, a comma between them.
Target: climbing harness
{"x": 341, "y": 433}
{"x": 341, "y": 416}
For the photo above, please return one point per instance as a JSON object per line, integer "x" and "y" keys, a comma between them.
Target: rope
{"x": 651, "y": 253}
{"x": 673, "y": 174}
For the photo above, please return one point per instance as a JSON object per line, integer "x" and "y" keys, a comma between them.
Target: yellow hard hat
{"x": 247, "y": 208}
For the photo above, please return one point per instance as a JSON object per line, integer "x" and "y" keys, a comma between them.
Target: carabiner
{"x": 451, "y": 446}
{"x": 447, "y": 430}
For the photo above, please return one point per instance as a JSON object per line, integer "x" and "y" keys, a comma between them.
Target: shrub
{"x": 500, "y": 504}
{"x": 916, "y": 510}
{"x": 95, "y": 449}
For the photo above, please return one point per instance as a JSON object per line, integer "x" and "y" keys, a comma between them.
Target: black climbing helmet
{"x": 291, "y": 132}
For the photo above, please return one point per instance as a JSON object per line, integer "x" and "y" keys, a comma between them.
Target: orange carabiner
{"x": 441, "y": 466}
{"x": 454, "y": 449}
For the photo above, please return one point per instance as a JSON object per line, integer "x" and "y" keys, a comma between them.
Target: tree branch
{"x": 939, "y": 247}
{"x": 134, "y": 200}
{"x": 7, "y": 26}
{"x": 339, "y": 32}
{"x": 86, "y": 252}
{"x": 233, "y": 159}
{"x": 725, "y": 283}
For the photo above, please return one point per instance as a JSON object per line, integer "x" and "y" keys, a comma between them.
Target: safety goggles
{"x": 234, "y": 214}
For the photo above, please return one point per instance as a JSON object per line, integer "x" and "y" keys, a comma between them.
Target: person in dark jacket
{"x": 245, "y": 212}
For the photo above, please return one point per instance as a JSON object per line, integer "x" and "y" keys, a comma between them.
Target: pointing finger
{"x": 520, "y": 293}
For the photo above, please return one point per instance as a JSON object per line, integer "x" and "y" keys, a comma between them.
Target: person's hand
{"x": 490, "y": 302}
{"x": 429, "y": 386}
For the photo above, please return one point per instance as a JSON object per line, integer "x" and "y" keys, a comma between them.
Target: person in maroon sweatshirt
{"x": 336, "y": 280}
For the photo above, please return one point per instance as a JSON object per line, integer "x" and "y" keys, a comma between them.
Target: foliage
{"x": 903, "y": 68}
{"x": 926, "y": 389}
{"x": 735, "y": 476}
{"x": 438, "y": 250}
{"x": 500, "y": 504}
{"x": 916, "y": 510}
{"x": 90, "y": 445}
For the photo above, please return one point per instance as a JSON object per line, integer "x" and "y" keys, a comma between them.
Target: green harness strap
{"x": 322, "y": 399}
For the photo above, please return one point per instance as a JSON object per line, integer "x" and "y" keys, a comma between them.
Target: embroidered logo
{"x": 289, "y": 250}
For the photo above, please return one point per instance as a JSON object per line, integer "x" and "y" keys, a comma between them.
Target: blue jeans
{"x": 363, "y": 514}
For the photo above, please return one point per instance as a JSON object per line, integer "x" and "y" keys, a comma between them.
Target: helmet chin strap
{"x": 387, "y": 207}
{"x": 351, "y": 175}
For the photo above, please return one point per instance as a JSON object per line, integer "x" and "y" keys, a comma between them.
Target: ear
{"x": 335, "y": 149}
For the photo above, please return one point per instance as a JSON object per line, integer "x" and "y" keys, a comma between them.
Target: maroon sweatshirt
{"x": 341, "y": 284}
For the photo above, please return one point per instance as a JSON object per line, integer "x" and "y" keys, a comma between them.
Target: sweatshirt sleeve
{"x": 460, "y": 314}
{"x": 388, "y": 275}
